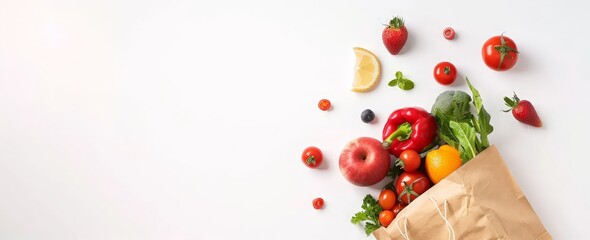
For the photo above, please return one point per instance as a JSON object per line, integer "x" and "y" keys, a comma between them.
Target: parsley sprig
{"x": 369, "y": 215}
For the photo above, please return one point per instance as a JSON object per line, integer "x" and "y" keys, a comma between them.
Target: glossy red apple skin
{"x": 364, "y": 162}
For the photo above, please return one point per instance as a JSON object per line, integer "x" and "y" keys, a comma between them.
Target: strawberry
{"x": 523, "y": 111}
{"x": 395, "y": 35}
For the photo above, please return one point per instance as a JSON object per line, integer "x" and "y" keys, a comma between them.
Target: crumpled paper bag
{"x": 482, "y": 201}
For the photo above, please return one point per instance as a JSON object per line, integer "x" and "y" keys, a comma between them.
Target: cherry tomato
{"x": 398, "y": 208}
{"x": 387, "y": 199}
{"x": 312, "y": 157}
{"x": 324, "y": 104}
{"x": 445, "y": 73}
{"x": 499, "y": 53}
{"x": 318, "y": 203}
{"x": 386, "y": 217}
{"x": 410, "y": 185}
{"x": 409, "y": 160}
{"x": 449, "y": 33}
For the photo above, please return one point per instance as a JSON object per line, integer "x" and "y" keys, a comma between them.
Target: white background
{"x": 186, "y": 119}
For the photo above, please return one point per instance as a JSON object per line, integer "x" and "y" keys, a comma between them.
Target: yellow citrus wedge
{"x": 367, "y": 70}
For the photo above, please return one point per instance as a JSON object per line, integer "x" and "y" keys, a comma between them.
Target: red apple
{"x": 364, "y": 161}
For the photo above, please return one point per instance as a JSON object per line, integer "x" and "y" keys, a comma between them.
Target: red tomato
{"x": 409, "y": 160}
{"x": 312, "y": 157}
{"x": 397, "y": 208}
{"x": 449, "y": 33}
{"x": 410, "y": 185}
{"x": 386, "y": 217}
{"x": 324, "y": 104}
{"x": 499, "y": 53}
{"x": 318, "y": 203}
{"x": 445, "y": 73}
{"x": 387, "y": 199}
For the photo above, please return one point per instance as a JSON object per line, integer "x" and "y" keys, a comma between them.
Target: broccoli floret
{"x": 451, "y": 103}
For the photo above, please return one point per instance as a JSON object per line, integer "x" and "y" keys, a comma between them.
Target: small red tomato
{"x": 324, "y": 104}
{"x": 398, "y": 208}
{"x": 387, "y": 199}
{"x": 312, "y": 157}
{"x": 386, "y": 217}
{"x": 410, "y": 185}
{"x": 499, "y": 53}
{"x": 449, "y": 33}
{"x": 318, "y": 203}
{"x": 445, "y": 73}
{"x": 409, "y": 160}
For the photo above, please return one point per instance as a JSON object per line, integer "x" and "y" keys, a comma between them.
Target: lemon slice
{"x": 367, "y": 70}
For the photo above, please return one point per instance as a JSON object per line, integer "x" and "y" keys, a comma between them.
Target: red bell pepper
{"x": 409, "y": 128}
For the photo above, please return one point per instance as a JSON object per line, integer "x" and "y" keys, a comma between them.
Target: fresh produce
{"x": 410, "y": 185}
{"x": 395, "y": 35}
{"x": 369, "y": 215}
{"x": 324, "y": 104}
{"x": 386, "y": 217}
{"x": 523, "y": 111}
{"x": 401, "y": 82}
{"x": 318, "y": 203}
{"x": 364, "y": 162}
{"x": 409, "y": 128}
{"x": 387, "y": 199}
{"x": 460, "y": 128}
{"x": 449, "y": 33}
{"x": 499, "y": 53}
{"x": 312, "y": 157}
{"x": 367, "y": 70}
{"x": 441, "y": 162}
{"x": 367, "y": 116}
{"x": 399, "y": 206}
{"x": 445, "y": 73}
{"x": 409, "y": 160}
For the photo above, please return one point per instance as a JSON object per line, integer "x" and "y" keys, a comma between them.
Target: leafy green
{"x": 401, "y": 82}
{"x": 369, "y": 215}
{"x": 458, "y": 126}
{"x": 482, "y": 123}
{"x": 467, "y": 139}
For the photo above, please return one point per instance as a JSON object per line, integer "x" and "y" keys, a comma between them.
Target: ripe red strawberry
{"x": 523, "y": 111}
{"x": 395, "y": 35}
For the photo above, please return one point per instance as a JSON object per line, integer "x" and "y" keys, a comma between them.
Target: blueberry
{"x": 367, "y": 116}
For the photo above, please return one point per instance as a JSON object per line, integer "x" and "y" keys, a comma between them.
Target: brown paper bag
{"x": 483, "y": 201}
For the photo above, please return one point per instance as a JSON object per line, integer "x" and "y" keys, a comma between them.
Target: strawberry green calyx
{"x": 503, "y": 49}
{"x": 396, "y": 23}
{"x": 511, "y": 103}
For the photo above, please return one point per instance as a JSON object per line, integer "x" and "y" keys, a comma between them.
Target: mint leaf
{"x": 393, "y": 82}
{"x": 407, "y": 84}
{"x": 401, "y": 82}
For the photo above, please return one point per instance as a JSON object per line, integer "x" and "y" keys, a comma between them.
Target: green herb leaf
{"x": 407, "y": 84}
{"x": 358, "y": 217}
{"x": 393, "y": 83}
{"x": 401, "y": 82}
{"x": 369, "y": 215}
{"x": 370, "y": 227}
{"x": 466, "y": 136}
